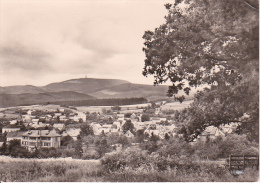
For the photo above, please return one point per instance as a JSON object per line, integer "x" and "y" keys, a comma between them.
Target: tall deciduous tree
{"x": 128, "y": 126}
{"x": 214, "y": 43}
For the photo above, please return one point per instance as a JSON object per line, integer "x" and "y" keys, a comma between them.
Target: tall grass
{"x": 50, "y": 171}
{"x": 93, "y": 171}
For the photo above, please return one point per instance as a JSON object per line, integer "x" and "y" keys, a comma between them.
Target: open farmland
{"x": 176, "y": 105}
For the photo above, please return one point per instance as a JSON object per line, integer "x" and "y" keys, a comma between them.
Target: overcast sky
{"x": 45, "y": 41}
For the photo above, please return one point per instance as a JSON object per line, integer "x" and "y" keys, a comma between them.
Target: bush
{"x": 91, "y": 156}
{"x": 118, "y": 160}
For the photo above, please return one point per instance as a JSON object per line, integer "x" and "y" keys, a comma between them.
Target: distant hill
{"x": 80, "y": 89}
{"x": 129, "y": 90}
{"x": 7, "y": 100}
{"x": 83, "y": 85}
{"x": 21, "y": 89}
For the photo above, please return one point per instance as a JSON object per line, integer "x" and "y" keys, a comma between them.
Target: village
{"x": 55, "y": 127}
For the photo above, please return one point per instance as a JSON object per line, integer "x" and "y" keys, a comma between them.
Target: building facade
{"x": 35, "y": 139}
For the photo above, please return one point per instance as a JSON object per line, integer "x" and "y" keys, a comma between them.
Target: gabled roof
{"x": 128, "y": 133}
{"x": 58, "y": 125}
{"x": 71, "y": 132}
{"x": 14, "y": 134}
{"x": 41, "y": 133}
{"x": 12, "y": 126}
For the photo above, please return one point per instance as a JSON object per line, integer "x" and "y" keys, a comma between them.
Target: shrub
{"x": 118, "y": 160}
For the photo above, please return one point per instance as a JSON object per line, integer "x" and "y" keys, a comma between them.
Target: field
{"x": 71, "y": 170}
{"x": 176, "y": 105}
{"x": 50, "y": 170}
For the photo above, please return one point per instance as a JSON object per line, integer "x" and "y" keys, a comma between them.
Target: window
{"x": 46, "y": 144}
{"x": 32, "y": 143}
{"x": 45, "y": 138}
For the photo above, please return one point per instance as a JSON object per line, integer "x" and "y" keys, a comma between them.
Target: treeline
{"x": 102, "y": 102}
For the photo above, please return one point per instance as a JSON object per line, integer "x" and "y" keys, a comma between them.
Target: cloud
{"x": 26, "y": 60}
{"x": 46, "y": 40}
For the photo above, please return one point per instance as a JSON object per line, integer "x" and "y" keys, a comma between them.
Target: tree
{"x": 123, "y": 140}
{"x": 78, "y": 147}
{"x": 102, "y": 147}
{"x": 128, "y": 126}
{"x": 86, "y": 130}
{"x": 116, "y": 108}
{"x": 66, "y": 140}
{"x": 208, "y": 42}
{"x": 167, "y": 136}
{"x": 212, "y": 43}
{"x": 140, "y": 135}
{"x": 3, "y": 148}
{"x": 145, "y": 117}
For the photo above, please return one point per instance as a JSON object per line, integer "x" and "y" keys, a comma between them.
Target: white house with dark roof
{"x": 11, "y": 128}
{"x": 40, "y": 139}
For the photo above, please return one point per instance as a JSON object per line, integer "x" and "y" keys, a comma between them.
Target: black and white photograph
{"x": 129, "y": 90}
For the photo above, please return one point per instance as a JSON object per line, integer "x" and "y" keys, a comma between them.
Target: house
{"x": 73, "y": 132}
{"x": 35, "y": 121}
{"x": 159, "y": 130}
{"x": 63, "y": 118}
{"x": 13, "y": 122}
{"x": 120, "y": 116}
{"x": 211, "y": 132}
{"x": 96, "y": 128}
{"x": 59, "y": 126}
{"x": 139, "y": 125}
{"x": 155, "y": 119}
{"x": 158, "y": 111}
{"x": 129, "y": 134}
{"x": 33, "y": 139}
{"x": 82, "y": 116}
{"x": 11, "y": 128}
{"x": 118, "y": 125}
{"x": 229, "y": 128}
{"x": 40, "y": 125}
{"x": 57, "y": 114}
{"x": 17, "y": 135}
{"x": 29, "y": 112}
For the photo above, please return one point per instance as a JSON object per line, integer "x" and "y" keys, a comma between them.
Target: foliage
{"x": 127, "y": 115}
{"x": 145, "y": 117}
{"x": 177, "y": 147}
{"x": 212, "y": 43}
{"x": 116, "y": 108}
{"x": 206, "y": 42}
{"x": 139, "y": 167}
{"x": 78, "y": 147}
{"x": 66, "y": 140}
{"x": 128, "y": 125}
{"x": 50, "y": 171}
{"x": 86, "y": 129}
{"x": 139, "y": 136}
{"x": 102, "y": 147}
{"x": 223, "y": 147}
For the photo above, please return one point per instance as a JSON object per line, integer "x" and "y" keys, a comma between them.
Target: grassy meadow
{"x": 93, "y": 171}
{"x": 51, "y": 171}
